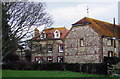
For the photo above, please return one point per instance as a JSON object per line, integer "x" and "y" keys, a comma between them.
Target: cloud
{"x": 70, "y": 14}
{"x": 105, "y": 12}
{"x": 75, "y": 0}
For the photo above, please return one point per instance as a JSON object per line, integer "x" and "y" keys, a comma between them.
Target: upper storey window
{"x": 110, "y": 42}
{"x": 61, "y": 48}
{"x": 56, "y": 34}
{"x": 81, "y": 42}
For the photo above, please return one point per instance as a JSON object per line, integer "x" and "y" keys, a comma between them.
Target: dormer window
{"x": 56, "y": 34}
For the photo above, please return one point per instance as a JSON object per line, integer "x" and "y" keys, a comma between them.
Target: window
{"x": 110, "y": 42}
{"x": 39, "y": 59}
{"x": 61, "y": 48}
{"x": 81, "y": 42}
{"x": 56, "y": 34}
{"x": 60, "y": 59}
{"x": 43, "y": 35}
{"x": 110, "y": 54}
{"x": 49, "y": 58}
{"x": 50, "y": 48}
{"x": 38, "y": 48}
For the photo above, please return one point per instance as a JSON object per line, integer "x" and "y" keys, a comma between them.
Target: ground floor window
{"x": 110, "y": 54}
{"x": 50, "y": 59}
{"x": 39, "y": 59}
{"x": 60, "y": 59}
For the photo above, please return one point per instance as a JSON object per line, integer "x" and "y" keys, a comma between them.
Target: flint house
{"x": 90, "y": 40}
{"x": 48, "y": 46}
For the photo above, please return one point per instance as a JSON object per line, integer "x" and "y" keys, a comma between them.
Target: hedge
{"x": 91, "y": 68}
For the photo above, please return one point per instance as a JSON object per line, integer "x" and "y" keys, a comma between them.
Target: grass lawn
{"x": 17, "y": 73}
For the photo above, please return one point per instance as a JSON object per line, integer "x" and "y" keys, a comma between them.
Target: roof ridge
{"x": 100, "y": 21}
{"x": 56, "y": 28}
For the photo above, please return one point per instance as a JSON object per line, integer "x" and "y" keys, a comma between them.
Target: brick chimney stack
{"x": 36, "y": 32}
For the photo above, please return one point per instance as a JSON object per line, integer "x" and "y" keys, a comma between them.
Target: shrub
{"x": 96, "y": 68}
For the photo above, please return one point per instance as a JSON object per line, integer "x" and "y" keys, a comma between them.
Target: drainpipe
{"x": 114, "y": 32}
{"x": 114, "y": 36}
{"x": 102, "y": 48}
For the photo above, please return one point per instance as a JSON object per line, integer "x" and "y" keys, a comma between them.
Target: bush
{"x": 95, "y": 68}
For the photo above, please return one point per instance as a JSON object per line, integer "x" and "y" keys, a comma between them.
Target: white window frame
{"x": 38, "y": 59}
{"x": 61, "y": 50}
{"x": 58, "y": 59}
{"x": 110, "y": 53}
{"x": 49, "y": 48}
{"x": 50, "y": 58}
{"x": 56, "y": 35}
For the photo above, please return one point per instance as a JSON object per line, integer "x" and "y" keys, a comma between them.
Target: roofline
{"x": 82, "y": 24}
{"x": 68, "y": 32}
{"x": 55, "y": 28}
{"x": 49, "y": 39}
{"x": 109, "y": 37}
{"x": 99, "y": 20}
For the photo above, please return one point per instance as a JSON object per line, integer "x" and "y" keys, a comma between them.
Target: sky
{"x": 67, "y": 12}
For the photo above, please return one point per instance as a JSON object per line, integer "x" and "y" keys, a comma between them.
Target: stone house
{"x": 48, "y": 46}
{"x": 90, "y": 40}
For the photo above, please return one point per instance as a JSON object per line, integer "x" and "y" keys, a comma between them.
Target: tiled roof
{"x": 50, "y": 32}
{"x": 101, "y": 27}
{"x": 36, "y": 34}
{"x": 55, "y": 28}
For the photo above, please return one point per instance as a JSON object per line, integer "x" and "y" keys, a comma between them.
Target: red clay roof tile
{"x": 101, "y": 27}
{"x": 50, "y": 32}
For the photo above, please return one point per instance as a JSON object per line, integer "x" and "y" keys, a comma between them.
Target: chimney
{"x": 36, "y": 32}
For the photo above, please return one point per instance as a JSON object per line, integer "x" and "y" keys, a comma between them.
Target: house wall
{"x": 107, "y": 47}
{"x": 90, "y": 53}
{"x": 45, "y": 53}
{"x": 119, "y": 48}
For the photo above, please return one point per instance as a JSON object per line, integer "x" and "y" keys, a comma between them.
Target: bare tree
{"x": 22, "y": 18}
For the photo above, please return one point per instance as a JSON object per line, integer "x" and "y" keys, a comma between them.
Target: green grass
{"x": 16, "y": 73}
{"x": 12, "y": 73}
